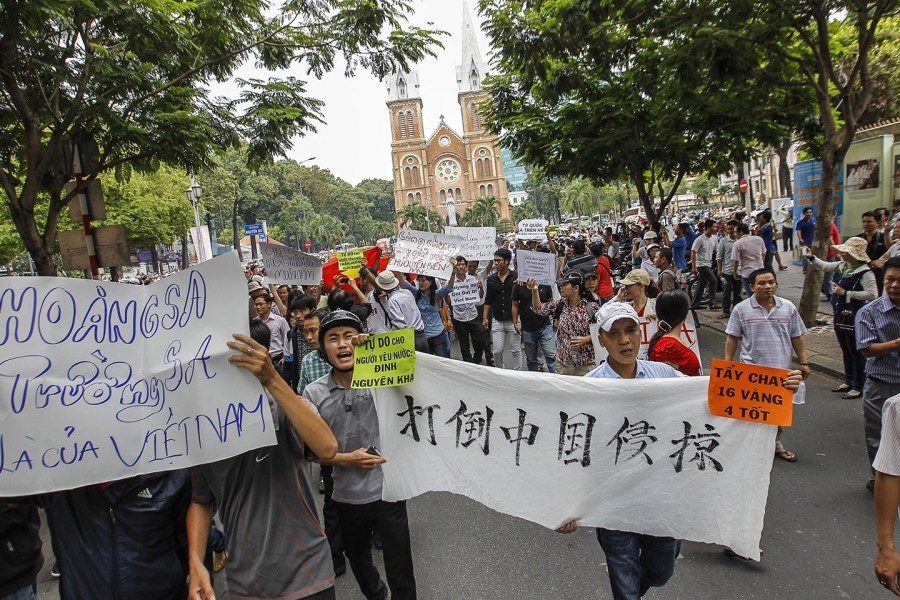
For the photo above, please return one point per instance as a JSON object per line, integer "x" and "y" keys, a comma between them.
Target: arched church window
{"x": 409, "y": 198}
{"x": 490, "y": 189}
{"x": 410, "y": 127}
{"x": 479, "y": 168}
{"x": 407, "y": 176}
{"x": 401, "y": 118}
{"x": 450, "y": 194}
{"x": 488, "y": 170}
{"x": 443, "y": 196}
{"x": 401, "y": 88}
{"x": 415, "y": 175}
{"x": 481, "y": 191}
{"x": 418, "y": 198}
{"x": 458, "y": 195}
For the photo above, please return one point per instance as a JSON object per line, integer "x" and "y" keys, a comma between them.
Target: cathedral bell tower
{"x": 407, "y": 140}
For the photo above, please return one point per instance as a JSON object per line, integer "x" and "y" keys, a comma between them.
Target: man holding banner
{"x": 358, "y": 480}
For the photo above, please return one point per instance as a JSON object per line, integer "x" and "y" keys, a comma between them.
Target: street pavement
{"x": 818, "y": 538}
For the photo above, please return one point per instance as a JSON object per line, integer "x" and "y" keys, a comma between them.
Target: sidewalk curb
{"x": 820, "y": 363}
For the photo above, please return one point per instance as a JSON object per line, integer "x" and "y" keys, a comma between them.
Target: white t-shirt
{"x": 704, "y": 246}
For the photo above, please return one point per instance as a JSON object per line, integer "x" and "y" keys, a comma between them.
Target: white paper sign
{"x": 204, "y": 245}
{"x": 286, "y": 265}
{"x": 425, "y": 253}
{"x": 465, "y": 293}
{"x": 100, "y": 381}
{"x": 480, "y": 242}
{"x": 540, "y": 266}
{"x": 532, "y": 229}
{"x": 643, "y": 456}
{"x": 648, "y": 330}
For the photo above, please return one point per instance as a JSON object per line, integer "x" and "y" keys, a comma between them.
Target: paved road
{"x": 818, "y": 537}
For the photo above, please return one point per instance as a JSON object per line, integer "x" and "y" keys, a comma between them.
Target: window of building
{"x": 481, "y": 191}
{"x": 490, "y": 189}
{"x": 418, "y": 198}
{"x": 410, "y": 127}
{"x": 458, "y": 195}
{"x": 479, "y": 168}
{"x": 409, "y": 198}
{"x": 401, "y": 118}
{"x": 407, "y": 176}
{"x": 488, "y": 169}
{"x": 443, "y": 196}
{"x": 415, "y": 175}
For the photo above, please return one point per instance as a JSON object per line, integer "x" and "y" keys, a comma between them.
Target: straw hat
{"x": 855, "y": 247}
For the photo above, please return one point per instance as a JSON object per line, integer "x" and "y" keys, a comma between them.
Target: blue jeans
{"x": 29, "y": 592}
{"x": 439, "y": 345}
{"x": 547, "y": 340}
{"x": 637, "y": 562}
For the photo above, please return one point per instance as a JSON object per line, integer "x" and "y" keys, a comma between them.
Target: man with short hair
{"x": 878, "y": 338}
{"x": 358, "y": 479}
{"x": 581, "y": 260}
{"x": 276, "y": 324}
{"x": 875, "y": 243}
{"x": 806, "y": 231}
{"x": 260, "y": 495}
{"x": 731, "y": 294}
{"x": 466, "y": 315}
{"x": 701, "y": 263}
{"x": 766, "y": 328}
{"x": 748, "y": 254}
{"x": 498, "y": 301}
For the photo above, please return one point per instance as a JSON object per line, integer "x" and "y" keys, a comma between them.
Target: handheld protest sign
{"x": 385, "y": 360}
{"x": 749, "y": 393}
{"x": 351, "y": 261}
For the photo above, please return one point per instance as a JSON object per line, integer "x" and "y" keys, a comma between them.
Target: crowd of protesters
{"x": 254, "y": 515}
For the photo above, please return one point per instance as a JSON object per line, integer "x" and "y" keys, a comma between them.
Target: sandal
{"x": 785, "y": 454}
{"x": 219, "y": 559}
{"x": 852, "y": 395}
{"x": 843, "y": 388}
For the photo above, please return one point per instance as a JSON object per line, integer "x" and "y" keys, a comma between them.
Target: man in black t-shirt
{"x": 498, "y": 303}
{"x": 536, "y": 330}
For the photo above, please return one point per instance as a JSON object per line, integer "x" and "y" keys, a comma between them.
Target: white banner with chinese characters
{"x": 100, "y": 381}
{"x": 634, "y": 455}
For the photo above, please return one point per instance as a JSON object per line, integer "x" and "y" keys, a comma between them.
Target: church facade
{"x": 445, "y": 170}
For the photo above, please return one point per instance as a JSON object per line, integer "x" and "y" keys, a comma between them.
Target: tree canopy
{"x": 644, "y": 91}
{"x": 127, "y": 80}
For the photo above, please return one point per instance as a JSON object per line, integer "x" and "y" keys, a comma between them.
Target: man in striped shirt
{"x": 887, "y": 497}
{"x": 878, "y": 338}
{"x": 768, "y": 330}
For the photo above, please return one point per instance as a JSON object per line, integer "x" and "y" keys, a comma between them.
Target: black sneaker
{"x": 54, "y": 571}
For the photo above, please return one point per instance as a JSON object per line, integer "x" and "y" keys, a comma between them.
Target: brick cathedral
{"x": 445, "y": 168}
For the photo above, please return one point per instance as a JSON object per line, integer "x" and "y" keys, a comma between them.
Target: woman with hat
{"x": 573, "y": 315}
{"x": 634, "y": 290}
{"x": 854, "y": 286}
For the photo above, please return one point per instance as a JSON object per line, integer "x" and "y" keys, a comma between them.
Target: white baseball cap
{"x": 613, "y": 311}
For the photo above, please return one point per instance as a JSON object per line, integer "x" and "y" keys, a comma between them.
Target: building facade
{"x": 445, "y": 170}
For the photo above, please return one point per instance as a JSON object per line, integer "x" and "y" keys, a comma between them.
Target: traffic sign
{"x": 308, "y": 245}
{"x": 254, "y": 229}
{"x": 743, "y": 185}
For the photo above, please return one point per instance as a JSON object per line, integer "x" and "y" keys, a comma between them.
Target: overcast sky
{"x": 354, "y": 143}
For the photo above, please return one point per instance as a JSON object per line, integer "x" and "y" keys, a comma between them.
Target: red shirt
{"x": 604, "y": 280}
{"x": 672, "y": 351}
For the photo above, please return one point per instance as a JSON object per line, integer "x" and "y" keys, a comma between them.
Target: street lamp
{"x": 193, "y": 193}
{"x": 300, "y": 183}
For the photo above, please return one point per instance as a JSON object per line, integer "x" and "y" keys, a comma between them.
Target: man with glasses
{"x": 277, "y": 326}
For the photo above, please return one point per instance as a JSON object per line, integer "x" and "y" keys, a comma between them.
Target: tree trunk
{"x": 831, "y": 163}
{"x": 784, "y": 170}
{"x": 31, "y": 237}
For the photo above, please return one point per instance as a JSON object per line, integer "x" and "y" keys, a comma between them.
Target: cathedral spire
{"x": 403, "y": 85}
{"x": 470, "y": 74}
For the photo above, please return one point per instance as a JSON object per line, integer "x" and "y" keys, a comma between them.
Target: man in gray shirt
{"x": 276, "y": 547}
{"x": 731, "y": 294}
{"x": 701, "y": 263}
{"x": 357, "y": 467}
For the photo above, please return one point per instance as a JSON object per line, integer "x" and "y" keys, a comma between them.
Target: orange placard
{"x": 750, "y": 393}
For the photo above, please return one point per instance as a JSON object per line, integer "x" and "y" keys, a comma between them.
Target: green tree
{"x": 153, "y": 207}
{"x": 526, "y": 210}
{"x": 483, "y": 212}
{"x": 547, "y": 194}
{"x": 417, "y": 217}
{"x": 631, "y": 90}
{"x": 379, "y": 193}
{"x": 831, "y": 45}
{"x": 579, "y": 197}
{"x": 128, "y": 78}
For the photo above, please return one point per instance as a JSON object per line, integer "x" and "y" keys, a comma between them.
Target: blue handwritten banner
{"x": 101, "y": 381}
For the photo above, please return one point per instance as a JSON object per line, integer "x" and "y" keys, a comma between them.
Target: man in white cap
{"x": 635, "y": 561}
{"x": 400, "y": 307}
